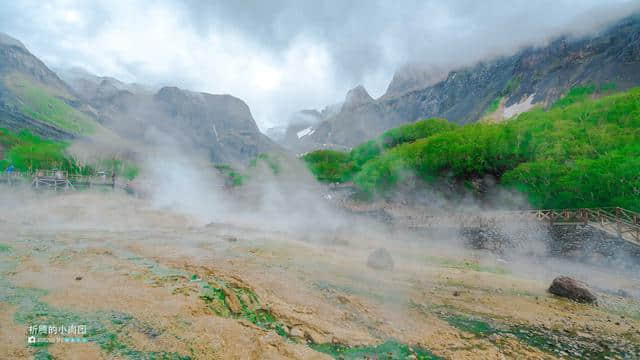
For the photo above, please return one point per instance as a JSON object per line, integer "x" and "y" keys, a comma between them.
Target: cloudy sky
{"x": 280, "y": 55}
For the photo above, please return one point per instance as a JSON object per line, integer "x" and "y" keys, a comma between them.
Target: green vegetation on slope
{"x": 330, "y": 165}
{"x": 583, "y": 152}
{"x": 28, "y": 153}
{"x": 237, "y": 177}
{"x": 44, "y": 104}
{"x": 337, "y": 166}
{"x": 493, "y": 106}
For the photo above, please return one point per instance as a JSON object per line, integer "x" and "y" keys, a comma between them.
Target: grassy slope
{"x": 48, "y": 105}
{"x": 28, "y": 152}
{"x": 581, "y": 152}
{"x": 41, "y": 102}
{"x": 337, "y": 166}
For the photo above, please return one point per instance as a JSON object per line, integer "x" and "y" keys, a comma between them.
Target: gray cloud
{"x": 284, "y": 55}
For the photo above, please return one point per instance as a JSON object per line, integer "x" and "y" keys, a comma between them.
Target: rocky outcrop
{"x": 535, "y": 75}
{"x": 355, "y": 98}
{"x": 413, "y": 77}
{"x": 16, "y": 59}
{"x": 380, "y": 259}
{"x": 302, "y": 125}
{"x": 220, "y": 123}
{"x": 572, "y": 289}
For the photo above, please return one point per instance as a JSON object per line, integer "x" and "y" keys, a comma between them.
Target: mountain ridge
{"x": 541, "y": 74}
{"x": 35, "y": 98}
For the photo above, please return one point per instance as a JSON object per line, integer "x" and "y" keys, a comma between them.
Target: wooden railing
{"x": 58, "y": 180}
{"x": 614, "y": 220}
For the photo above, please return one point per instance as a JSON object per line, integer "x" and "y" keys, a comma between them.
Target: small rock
{"x": 570, "y": 288}
{"x": 584, "y": 335}
{"x": 297, "y": 332}
{"x": 380, "y": 259}
{"x": 623, "y": 293}
{"x": 230, "y": 238}
{"x": 78, "y": 277}
{"x": 456, "y": 293}
{"x": 232, "y": 300}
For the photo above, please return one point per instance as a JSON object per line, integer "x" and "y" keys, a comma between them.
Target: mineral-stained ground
{"x": 149, "y": 283}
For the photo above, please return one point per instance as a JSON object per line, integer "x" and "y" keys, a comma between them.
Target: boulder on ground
{"x": 570, "y": 288}
{"x": 380, "y": 259}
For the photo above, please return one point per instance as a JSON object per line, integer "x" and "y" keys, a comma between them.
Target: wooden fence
{"x": 58, "y": 180}
{"x": 614, "y": 220}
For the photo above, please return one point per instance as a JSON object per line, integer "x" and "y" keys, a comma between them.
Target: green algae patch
{"x": 102, "y": 328}
{"x": 387, "y": 350}
{"x": 228, "y": 300}
{"x": 4, "y": 248}
{"x": 42, "y": 354}
{"x": 557, "y": 343}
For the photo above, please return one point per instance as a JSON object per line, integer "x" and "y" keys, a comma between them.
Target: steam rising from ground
{"x": 184, "y": 192}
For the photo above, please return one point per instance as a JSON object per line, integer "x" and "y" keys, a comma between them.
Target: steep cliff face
{"x": 18, "y": 67}
{"x": 220, "y": 123}
{"x": 414, "y": 77}
{"x": 532, "y": 76}
{"x": 14, "y": 57}
{"x": 355, "y": 98}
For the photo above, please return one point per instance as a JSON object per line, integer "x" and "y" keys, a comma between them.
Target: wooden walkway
{"x": 613, "y": 220}
{"x": 59, "y": 180}
{"x": 616, "y": 221}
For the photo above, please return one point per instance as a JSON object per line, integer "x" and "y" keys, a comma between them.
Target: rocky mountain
{"x": 91, "y": 86}
{"x": 33, "y": 97}
{"x": 413, "y": 77}
{"x": 355, "y": 98}
{"x": 220, "y": 123}
{"x": 22, "y": 74}
{"x": 499, "y": 88}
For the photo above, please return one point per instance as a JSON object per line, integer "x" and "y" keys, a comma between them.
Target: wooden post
{"x": 618, "y": 222}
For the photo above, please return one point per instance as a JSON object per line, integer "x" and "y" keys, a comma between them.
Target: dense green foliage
{"x": 330, "y": 165}
{"x": 583, "y": 152}
{"x": 337, "y": 166}
{"x": 398, "y": 136}
{"x": 28, "y": 153}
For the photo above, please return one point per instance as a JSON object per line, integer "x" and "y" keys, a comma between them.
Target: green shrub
{"x": 337, "y": 166}
{"x": 398, "y": 136}
{"x": 330, "y": 165}
{"x": 583, "y": 152}
{"x": 28, "y": 152}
